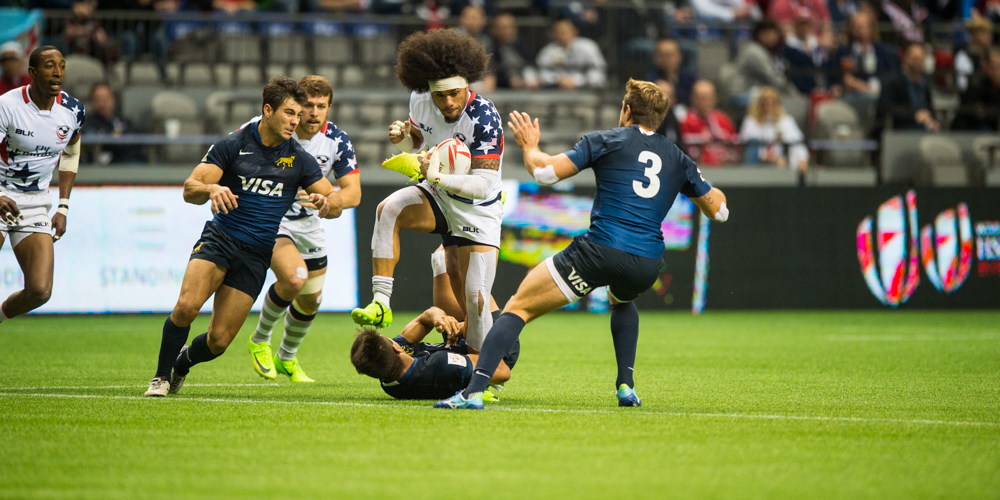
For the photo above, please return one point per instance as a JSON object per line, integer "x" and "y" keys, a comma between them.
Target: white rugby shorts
{"x": 34, "y": 206}
{"x": 307, "y": 234}
{"x": 478, "y": 223}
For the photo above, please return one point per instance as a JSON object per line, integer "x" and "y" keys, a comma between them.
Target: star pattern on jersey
{"x": 487, "y": 129}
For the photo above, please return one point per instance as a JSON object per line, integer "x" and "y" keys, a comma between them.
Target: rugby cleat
{"x": 177, "y": 381}
{"x": 407, "y": 164}
{"x": 492, "y": 393}
{"x": 263, "y": 362}
{"x": 291, "y": 368}
{"x": 375, "y": 314}
{"x": 458, "y": 402}
{"x": 627, "y": 396}
{"x": 158, "y": 388}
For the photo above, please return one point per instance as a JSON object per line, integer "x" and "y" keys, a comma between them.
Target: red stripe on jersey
{"x": 501, "y": 143}
{"x": 323, "y": 130}
{"x": 3, "y": 150}
{"x": 487, "y": 157}
{"x": 352, "y": 172}
{"x": 24, "y": 92}
{"x": 59, "y": 98}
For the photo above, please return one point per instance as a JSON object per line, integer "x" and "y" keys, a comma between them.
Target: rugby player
{"x": 39, "y": 129}
{"x": 299, "y": 258}
{"x": 639, "y": 174}
{"x": 465, "y": 210}
{"x": 251, "y": 177}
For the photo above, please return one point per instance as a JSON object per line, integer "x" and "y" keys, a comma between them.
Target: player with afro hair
{"x": 435, "y": 55}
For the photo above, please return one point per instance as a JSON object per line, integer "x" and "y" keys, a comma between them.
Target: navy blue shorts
{"x": 246, "y": 265}
{"x": 585, "y": 265}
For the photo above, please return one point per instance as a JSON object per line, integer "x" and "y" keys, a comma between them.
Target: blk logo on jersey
{"x": 26, "y": 133}
{"x": 62, "y": 132}
{"x": 425, "y": 128}
{"x": 261, "y": 186}
{"x": 470, "y": 229}
{"x": 285, "y": 162}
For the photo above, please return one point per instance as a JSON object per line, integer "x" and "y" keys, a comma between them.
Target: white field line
{"x": 908, "y": 338}
{"x": 66, "y": 387}
{"x": 526, "y": 410}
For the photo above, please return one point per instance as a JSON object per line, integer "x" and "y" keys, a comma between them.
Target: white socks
{"x": 382, "y": 289}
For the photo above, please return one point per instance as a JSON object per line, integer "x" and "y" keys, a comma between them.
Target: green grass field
{"x": 751, "y": 405}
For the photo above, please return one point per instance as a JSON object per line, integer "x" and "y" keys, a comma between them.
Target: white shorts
{"x": 34, "y": 206}
{"x": 307, "y": 234}
{"x": 477, "y": 223}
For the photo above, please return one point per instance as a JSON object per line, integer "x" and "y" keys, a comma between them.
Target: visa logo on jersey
{"x": 261, "y": 186}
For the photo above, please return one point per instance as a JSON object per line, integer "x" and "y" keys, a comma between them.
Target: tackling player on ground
{"x": 465, "y": 209}
{"x": 299, "y": 259}
{"x": 39, "y": 129}
{"x": 638, "y": 174}
{"x": 251, "y": 177}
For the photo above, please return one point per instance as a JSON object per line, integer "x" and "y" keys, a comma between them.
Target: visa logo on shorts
{"x": 260, "y": 186}
{"x": 578, "y": 283}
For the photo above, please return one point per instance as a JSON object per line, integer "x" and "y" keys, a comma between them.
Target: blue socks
{"x": 625, "y": 334}
{"x": 171, "y": 343}
{"x": 499, "y": 342}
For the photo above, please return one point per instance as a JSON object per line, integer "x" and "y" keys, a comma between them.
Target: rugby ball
{"x": 455, "y": 157}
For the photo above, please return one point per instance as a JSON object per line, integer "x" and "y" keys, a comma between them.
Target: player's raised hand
{"x": 398, "y": 131}
{"x": 450, "y": 326}
{"x": 223, "y": 200}
{"x": 9, "y": 211}
{"x": 526, "y": 132}
{"x": 59, "y": 224}
{"x": 305, "y": 201}
{"x": 319, "y": 202}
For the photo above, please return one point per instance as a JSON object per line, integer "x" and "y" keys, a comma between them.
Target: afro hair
{"x": 439, "y": 54}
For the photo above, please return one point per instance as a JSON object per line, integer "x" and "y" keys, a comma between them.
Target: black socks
{"x": 171, "y": 343}
{"x": 499, "y": 342}
{"x": 625, "y": 334}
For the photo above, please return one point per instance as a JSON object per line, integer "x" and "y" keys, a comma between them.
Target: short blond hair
{"x": 647, "y": 101}
{"x": 978, "y": 22}
{"x": 317, "y": 86}
{"x": 755, "y": 108}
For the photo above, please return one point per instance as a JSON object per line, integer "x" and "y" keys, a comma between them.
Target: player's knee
{"x": 218, "y": 343}
{"x": 309, "y": 304}
{"x": 295, "y": 285}
{"x": 185, "y": 311}
{"x": 39, "y": 294}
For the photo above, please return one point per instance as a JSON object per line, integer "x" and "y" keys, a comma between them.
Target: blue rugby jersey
{"x": 266, "y": 180}
{"x": 638, "y": 177}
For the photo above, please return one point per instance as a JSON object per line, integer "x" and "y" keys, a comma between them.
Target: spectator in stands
{"x": 668, "y": 61}
{"x": 990, "y": 9}
{"x": 907, "y": 19}
{"x": 968, "y": 58}
{"x": 980, "y": 108}
{"x": 510, "y": 64}
{"x": 725, "y": 11}
{"x": 771, "y": 135}
{"x": 906, "y": 95}
{"x": 84, "y": 34}
{"x": 786, "y": 12}
{"x": 758, "y": 63}
{"x": 670, "y": 127}
{"x": 473, "y": 22}
{"x": 570, "y": 61}
{"x": 103, "y": 119}
{"x": 859, "y": 66}
{"x": 842, "y": 10}
{"x": 708, "y": 132}
{"x": 804, "y": 55}
{"x": 13, "y": 68}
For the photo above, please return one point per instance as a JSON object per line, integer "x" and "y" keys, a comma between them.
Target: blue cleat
{"x": 457, "y": 402}
{"x": 627, "y": 396}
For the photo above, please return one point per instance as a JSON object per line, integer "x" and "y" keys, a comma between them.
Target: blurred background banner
{"x": 126, "y": 249}
{"x": 21, "y": 26}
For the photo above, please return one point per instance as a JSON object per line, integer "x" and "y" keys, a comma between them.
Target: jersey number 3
{"x": 651, "y": 173}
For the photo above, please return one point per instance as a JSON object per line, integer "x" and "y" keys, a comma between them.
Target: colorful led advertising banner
{"x": 126, "y": 249}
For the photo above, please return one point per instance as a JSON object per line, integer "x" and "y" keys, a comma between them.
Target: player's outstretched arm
{"x": 546, "y": 169}
{"x": 69, "y": 162}
{"x": 431, "y": 319}
{"x": 350, "y": 190}
{"x": 203, "y": 185}
{"x": 713, "y": 205}
{"x": 325, "y": 199}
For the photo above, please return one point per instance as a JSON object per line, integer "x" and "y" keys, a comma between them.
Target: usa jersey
{"x": 479, "y": 127}
{"x": 32, "y": 139}
{"x": 638, "y": 177}
{"x": 265, "y": 179}
{"x": 433, "y": 375}
{"x": 332, "y": 149}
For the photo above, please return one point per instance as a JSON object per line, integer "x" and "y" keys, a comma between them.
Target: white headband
{"x": 455, "y": 82}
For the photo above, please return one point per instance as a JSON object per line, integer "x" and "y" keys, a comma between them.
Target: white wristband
{"x": 63, "y": 206}
{"x": 723, "y": 214}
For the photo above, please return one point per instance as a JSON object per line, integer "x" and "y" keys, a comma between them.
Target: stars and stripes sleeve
{"x": 344, "y": 161}
{"x": 487, "y": 132}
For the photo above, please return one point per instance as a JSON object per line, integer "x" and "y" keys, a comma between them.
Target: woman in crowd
{"x": 771, "y": 135}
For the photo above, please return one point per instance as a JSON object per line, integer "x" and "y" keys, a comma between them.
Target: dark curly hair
{"x": 434, "y": 55}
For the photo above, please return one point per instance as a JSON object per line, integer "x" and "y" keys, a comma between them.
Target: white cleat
{"x": 158, "y": 388}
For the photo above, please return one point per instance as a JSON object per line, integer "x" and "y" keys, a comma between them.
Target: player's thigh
{"x": 537, "y": 295}
{"x": 230, "y": 311}
{"x": 36, "y": 257}
{"x": 201, "y": 279}
{"x": 412, "y": 210}
{"x": 286, "y": 261}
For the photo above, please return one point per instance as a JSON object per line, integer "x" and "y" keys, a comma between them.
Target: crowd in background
{"x": 894, "y": 55}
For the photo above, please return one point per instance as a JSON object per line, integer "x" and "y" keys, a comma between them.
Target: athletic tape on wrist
{"x": 63, "y": 206}
{"x": 723, "y": 214}
{"x": 545, "y": 176}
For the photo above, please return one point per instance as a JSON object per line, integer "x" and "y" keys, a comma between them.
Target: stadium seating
{"x": 943, "y": 164}
{"x": 82, "y": 72}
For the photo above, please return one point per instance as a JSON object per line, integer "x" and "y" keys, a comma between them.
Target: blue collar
{"x": 256, "y": 136}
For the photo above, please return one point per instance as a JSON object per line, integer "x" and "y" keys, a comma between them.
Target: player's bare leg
{"x": 35, "y": 256}
{"x": 409, "y": 209}
{"x": 229, "y": 312}
{"x": 201, "y": 279}
{"x": 290, "y": 270}
{"x": 443, "y": 293}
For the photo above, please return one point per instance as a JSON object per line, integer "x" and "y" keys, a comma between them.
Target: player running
{"x": 465, "y": 209}
{"x": 39, "y": 129}
{"x": 252, "y": 177}
{"x": 639, "y": 174}
{"x": 299, "y": 258}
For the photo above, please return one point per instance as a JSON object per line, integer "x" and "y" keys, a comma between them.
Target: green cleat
{"x": 407, "y": 164}
{"x": 492, "y": 393}
{"x": 262, "y": 359}
{"x": 291, "y": 368}
{"x": 375, "y": 314}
